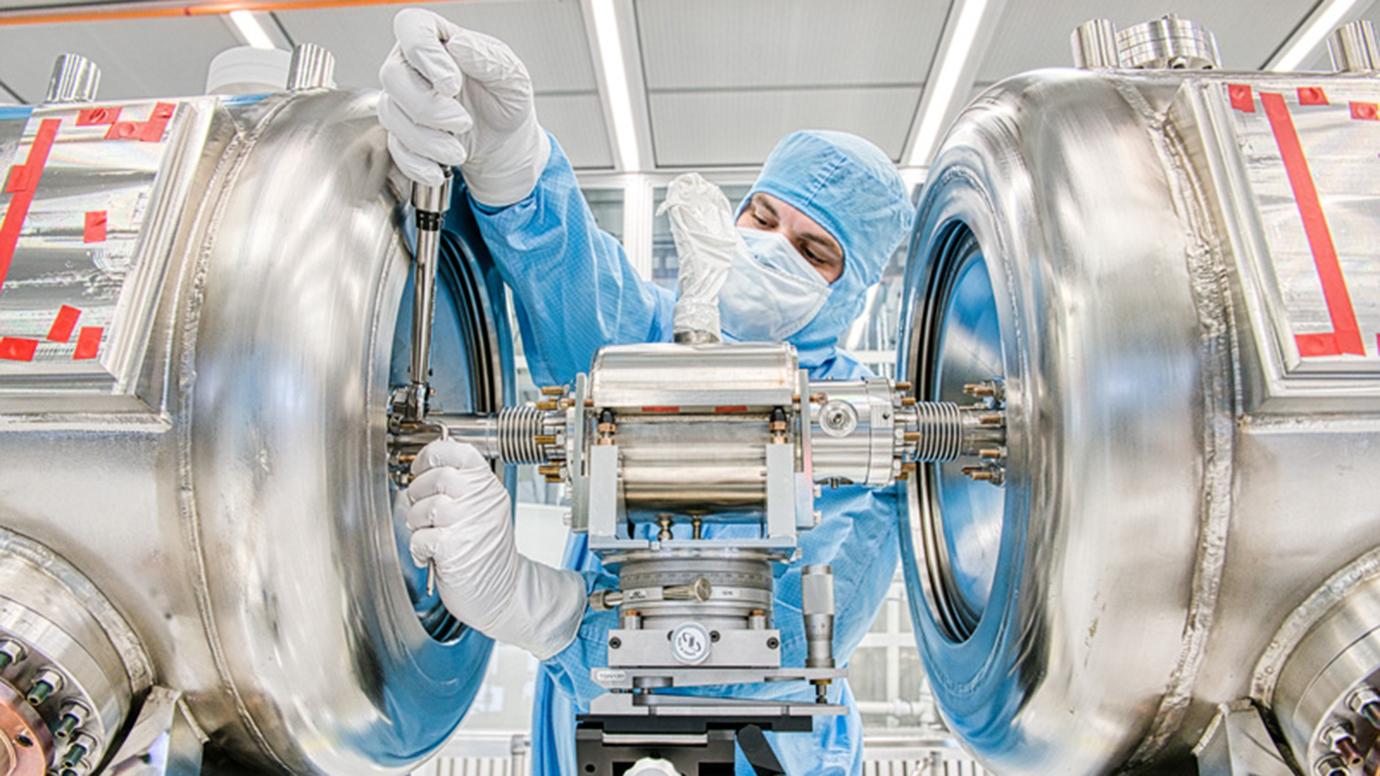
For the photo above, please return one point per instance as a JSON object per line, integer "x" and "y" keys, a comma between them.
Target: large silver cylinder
{"x": 215, "y": 462}
{"x": 1191, "y": 400}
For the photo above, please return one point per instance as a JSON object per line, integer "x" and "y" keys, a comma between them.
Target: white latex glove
{"x": 453, "y": 96}
{"x": 461, "y": 522}
{"x": 706, "y": 241}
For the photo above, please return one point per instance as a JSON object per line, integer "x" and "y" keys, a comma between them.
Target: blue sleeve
{"x": 572, "y": 284}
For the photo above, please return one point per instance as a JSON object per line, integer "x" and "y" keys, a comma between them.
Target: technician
{"x": 827, "y": 211}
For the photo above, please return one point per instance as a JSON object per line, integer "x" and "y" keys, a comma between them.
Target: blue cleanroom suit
{"x": 575, "y": 292}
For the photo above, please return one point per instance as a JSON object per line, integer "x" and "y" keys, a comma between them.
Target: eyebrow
{"x": 827, "y": 243}
{"x": 760, "y": 201}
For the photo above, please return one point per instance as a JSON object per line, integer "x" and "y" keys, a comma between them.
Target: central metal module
{"x": 660, "y": 441}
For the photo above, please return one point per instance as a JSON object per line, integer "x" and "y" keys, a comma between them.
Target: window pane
{"x": 607, "y": 207}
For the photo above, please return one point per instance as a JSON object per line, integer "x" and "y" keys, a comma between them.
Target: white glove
{"x": 452, "y": 96}
{"x": 706, "y": 241}
{"x": 461, "y": 523}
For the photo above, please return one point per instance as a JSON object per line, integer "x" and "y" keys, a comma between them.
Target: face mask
{"x": 771, "y": 292}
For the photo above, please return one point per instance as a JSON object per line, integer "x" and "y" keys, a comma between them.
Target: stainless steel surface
{"x": 132, "y": 165}
{"x": 76, "y": 653}
{"x": 631, "y": 377}
{"x": 312, "y": 67}
{"x": 75, "y": 79}
{"x": 1094, "y": 45}
{"x": 1337, "y": 657}
{"x": 1238, "y": 743}
{"x": 1168, "y": 43}
{"x": 164, "y": 740}
{"x": 1353, "y": 47}
{"x": 235, "y": 505}
{"x": 1186, "y": 462}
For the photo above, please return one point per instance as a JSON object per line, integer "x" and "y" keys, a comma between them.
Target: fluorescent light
{"x": 249, "y": 31}
{"x": 1329, "y": 16}
{"x": 616, "y": 83}
{"x": 941, "y": 89}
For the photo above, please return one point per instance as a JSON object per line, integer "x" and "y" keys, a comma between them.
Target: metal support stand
{"x": 704, "y": 746}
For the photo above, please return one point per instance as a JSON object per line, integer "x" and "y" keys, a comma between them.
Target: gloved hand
{"x": 706, "y": 241}
{"x": 461, "y": 522}
{"x": 452, "y": 96}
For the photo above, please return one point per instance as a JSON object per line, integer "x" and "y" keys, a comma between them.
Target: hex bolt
{"x": 553, "y": 390}
{"x": 980, "y": 390}
{"x": 70, "y": 718}
{"x": 44, "y": 685}
{"x": 11, "y": 652}
{"x": 1366, "y": 702}
{"x": 81, "y": 746}
{"x": 1340, "y": 739}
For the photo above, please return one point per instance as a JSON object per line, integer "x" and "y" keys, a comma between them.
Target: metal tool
{"x": 430, "y": 204}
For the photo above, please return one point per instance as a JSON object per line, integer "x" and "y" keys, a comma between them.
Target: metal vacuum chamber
{"x": 203, "y": 310}
{"x": 1176, "y": 274}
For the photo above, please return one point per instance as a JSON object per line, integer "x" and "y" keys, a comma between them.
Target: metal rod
{"x": 431, "y": 204}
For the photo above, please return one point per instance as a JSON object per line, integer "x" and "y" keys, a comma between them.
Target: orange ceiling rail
{"x": 171, "y": 10}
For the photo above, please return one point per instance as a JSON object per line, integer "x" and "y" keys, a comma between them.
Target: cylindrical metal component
{"x": 1164, "y": 412}
{"x": 854, "y": 433}
{"x": 518, "y": 429}
{"x": 75, "y": 79}
{"x": 680, "y": 462}
{"x": 940, "y": 425}
{"x": 1094, "y": 45}
{"x": 719, "y": 592}
{"x": 430, "y": 204}
{"x": 1353, "y": 47}
{"x": 224, "y": 477}
{"x": 312, "y": 67}
{"x": 1168, "y": 43}
{"x": 1317, "y": 689}
{"x": 817, "y": 606}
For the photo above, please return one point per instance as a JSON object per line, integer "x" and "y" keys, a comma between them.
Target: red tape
{"x": 88, "y": 343}
{"x": 63, "y": 324}
{"x": 150, "y": 131}
{"x": 92, "y": 117}
{"x": 1345, "y": 336}
{"x": 1240, "y": 95}
{"x": 1365, "y": 111}
{"x": 1312, "y": 95}
{"x": 17, "y": 348}
{"x": 94, "y": 230}
{"x": 27, "y": 175}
